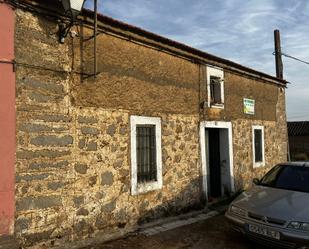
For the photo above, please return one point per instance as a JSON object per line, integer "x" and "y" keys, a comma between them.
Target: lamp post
{"x": 72, "y": 8}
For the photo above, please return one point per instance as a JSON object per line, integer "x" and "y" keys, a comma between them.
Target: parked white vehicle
{"x": 275, "y": 212}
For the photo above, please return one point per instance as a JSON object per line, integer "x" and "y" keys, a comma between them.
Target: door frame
{"x": 215, "y": 124}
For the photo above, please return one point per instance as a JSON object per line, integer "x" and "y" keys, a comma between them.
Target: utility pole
{"x": 279, "y": 74}
{"x": 278, "y": 55}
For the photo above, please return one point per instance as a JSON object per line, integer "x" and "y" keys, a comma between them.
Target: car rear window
{"x": 287, "y": 177}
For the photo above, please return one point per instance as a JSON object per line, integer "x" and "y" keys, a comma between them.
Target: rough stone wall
{"x": 72, "y": 163}
{"x": 73, "y": 134}
{"x": 44, "y": 169}
{"x": 134, "y": 77}
{"x": 237, "y": 88}
{"x": 76, "y": 183}
{"x": 275, "y": 137}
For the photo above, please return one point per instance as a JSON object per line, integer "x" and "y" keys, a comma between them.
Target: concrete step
{"x": 8, "y": 242}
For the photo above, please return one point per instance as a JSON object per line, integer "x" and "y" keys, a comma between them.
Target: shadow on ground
{"x": 214, "y": 233}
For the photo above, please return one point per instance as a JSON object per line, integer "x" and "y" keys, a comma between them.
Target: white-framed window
{"x": 258, "y": 146}
{"x": 146, "y": 155}
{"x": 215, "y": 87}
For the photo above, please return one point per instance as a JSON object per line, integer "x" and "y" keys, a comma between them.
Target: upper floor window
{"x": 258, "y": 146}
{"x": 215, "y": 87}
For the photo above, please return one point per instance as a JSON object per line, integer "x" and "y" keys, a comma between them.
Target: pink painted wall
{"x": 7, "y": 120}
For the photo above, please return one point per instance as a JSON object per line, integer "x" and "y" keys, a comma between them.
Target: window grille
{"x": 146, "y": 153}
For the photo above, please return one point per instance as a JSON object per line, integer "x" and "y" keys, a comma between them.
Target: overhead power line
{"x": 292, "y": 57}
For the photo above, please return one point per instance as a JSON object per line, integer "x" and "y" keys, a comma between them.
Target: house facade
{"x": 162, "y": 129}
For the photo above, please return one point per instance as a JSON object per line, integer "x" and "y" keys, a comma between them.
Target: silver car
{"x": 275, "y": 212}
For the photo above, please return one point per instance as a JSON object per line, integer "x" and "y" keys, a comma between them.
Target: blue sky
{"x": 238, "y": 30}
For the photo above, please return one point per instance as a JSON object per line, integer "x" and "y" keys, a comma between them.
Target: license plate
{"x": 264, "y": 231}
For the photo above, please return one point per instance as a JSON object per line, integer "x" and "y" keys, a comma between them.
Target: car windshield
{"x": 287, "y": 177}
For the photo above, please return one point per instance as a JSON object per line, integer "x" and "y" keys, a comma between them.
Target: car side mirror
{"x": 256, "y": 181}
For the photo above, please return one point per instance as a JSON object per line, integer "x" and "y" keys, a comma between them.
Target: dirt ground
{"x": 214, "y": 233}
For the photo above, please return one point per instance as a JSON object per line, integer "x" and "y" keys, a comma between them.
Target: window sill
{"x": 258, "y": 164}
{"x": 146, "y": 187}
{"x": 219, "y": 106}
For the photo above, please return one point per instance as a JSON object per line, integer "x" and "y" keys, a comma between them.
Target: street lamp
{"x": 73, "y": 7}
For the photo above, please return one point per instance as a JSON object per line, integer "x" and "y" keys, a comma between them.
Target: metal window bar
{"x": 258, "y": 145}
{"x": 215, "y": 90}
{"x": 146, "y": 153}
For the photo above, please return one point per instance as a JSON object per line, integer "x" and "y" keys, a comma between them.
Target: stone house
{"x": 162, "y": 129}
{"x": 299, "y": 140}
